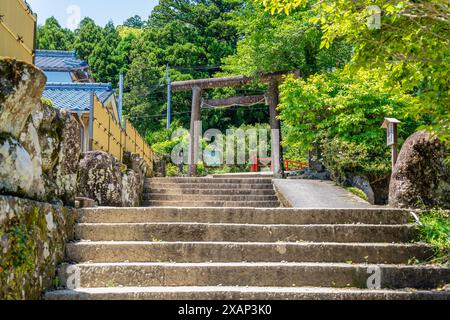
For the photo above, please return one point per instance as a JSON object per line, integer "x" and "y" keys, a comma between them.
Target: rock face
{"x": 363, "y": 184}
{"x": 420, "y": 176}
{"x": 134, "y": 179}
{"x": 21, "y": 88}
{"x": 40, "y": 145}
{"x": 66, "y": 170}
{"x": 16, "y": 168}
{"x": 100, "y": 178}
{"x": 103, "y": 178}
{"x": 32, "y": 243}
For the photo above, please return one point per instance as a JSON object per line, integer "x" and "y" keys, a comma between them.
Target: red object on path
{"x": 288, "y": 164}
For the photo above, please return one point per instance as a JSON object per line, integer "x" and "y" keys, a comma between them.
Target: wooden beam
{"x": 233, "y": 101}
{"x": 233, "y": 81}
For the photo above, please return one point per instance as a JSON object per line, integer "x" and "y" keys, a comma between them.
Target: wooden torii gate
{"x": 197, "y": 86}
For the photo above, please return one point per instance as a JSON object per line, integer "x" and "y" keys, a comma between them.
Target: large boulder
{"x": 21, "y": 87}
{"x": 100, "y": 178}
{"x": 49, "y": 124}
{"x": 363, "y": 184}
{"x": 420, "y": 177}
{"x": 40, "y": 144}
{"x": 132, "y": 189}
{"x": 66, "y": 170}
{"x": 19, "y": 174}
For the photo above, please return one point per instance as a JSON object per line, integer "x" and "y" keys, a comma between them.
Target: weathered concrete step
{"x": 141, "y": 251}
{"x": 238, "y": 192}
{"x": 208, "y": 197}
{"x": 243, "y": 175}
{"x": 242, "y": 293}
{"x": 263, "y": 274}
{"x": 194, "y": 186}
{"x": 231, "y": 204}
{"x": 182, "y": 231}
{"x": 245, "y": 215}
{"x": 211, "y": 180}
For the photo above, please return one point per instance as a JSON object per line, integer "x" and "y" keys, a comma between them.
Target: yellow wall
{"x": 17, "y": 30}
{"x": 108, "y": 136}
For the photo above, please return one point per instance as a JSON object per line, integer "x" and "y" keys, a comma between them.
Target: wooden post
{"x": 91, "y": 122}
{"x": 394, "y": 146}
{"x": 390, "y": 124}
{"x": 195, "y": 131}
{"x": 277, "y": 155}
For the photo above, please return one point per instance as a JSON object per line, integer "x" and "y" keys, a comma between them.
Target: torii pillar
{"x": 195, "y": 131}
{"x": 275, "y": 126}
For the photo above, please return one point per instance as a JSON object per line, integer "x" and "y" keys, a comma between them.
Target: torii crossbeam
{"x": 273, "y": 80}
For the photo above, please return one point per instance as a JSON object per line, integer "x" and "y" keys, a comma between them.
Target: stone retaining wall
{"x": 32, "y": 243}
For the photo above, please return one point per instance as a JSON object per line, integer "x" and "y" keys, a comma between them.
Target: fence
{"x": 17, "y": 30}
{"x": 108, "y": 136}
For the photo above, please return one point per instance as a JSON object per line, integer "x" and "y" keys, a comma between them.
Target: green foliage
{"x": 411, "y": 47}
{"x": 171, "y": 170}
{"x": 340, "y": 114}
{"x": 358, "y": 192}
{"x": 435, "y": 230}
{"x": 190, "y": 36}
{"x": 20, "y": 258}
{"x": 104, "y": 62}
{"x": 46, "y": 101}
{"x": 274, "y": 43}
{"x": 51, "y": 36}
{"x": 134, "y": 22}
{"x": 87, "y": 36}
{"x": 164, "y": 140}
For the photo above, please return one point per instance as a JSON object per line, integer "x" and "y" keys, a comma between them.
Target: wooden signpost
{"x": 390, "y": 124}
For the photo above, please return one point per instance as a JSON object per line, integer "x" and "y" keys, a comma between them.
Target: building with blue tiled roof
{"x": 70, "y": 86}
{"x": 62, "y": 66}
{"x": 77, "y": 96}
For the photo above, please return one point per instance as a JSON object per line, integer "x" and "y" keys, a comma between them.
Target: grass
{"x": 359, "y": 193}
{"x": 435, "y": 230}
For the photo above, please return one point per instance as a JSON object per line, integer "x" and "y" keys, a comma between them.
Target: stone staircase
{"x": 210, "y": 192}
{"x": 246, "y": 253}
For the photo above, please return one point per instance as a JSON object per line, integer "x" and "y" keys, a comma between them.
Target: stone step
{"x": 195, "y": 186}
{"x": 182, "y": 231}
{"x": 142, "y": 251}
{"x": 245, "y": 215}
{"x": 255, "y": 274}
{"x": 208, "y": 197}
{"x": 243, "y": 175}
{"x": 181, "y": 180}
{"x": 232, "y": 204}
{"x": 238, "y": 192}
{"x": 242, "y": 293}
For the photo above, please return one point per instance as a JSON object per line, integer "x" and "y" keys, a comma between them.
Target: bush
{"x": 358, "y": 192}
{"x": 340, "y": 114}
{"x": 171, "y": 170}
{"x": 435, "y": 230}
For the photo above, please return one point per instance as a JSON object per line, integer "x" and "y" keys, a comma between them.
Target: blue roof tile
{"x": 76, "y": 96}
{"x": 49, "y": 60}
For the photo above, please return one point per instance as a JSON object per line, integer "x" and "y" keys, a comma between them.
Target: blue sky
{"x": 100, "y": 10}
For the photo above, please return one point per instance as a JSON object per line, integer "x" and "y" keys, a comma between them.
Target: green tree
{"x": 410, "y": 45}
{"x": 278, "y": 43}
{"x": 104, "y": 62}
{"x": 192, "y": 37}
{"x": 134, "y": 22}
{"x": 87, "y": 36}
{"x": 51, "y": 36}
{"x": 340, "y": 113}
